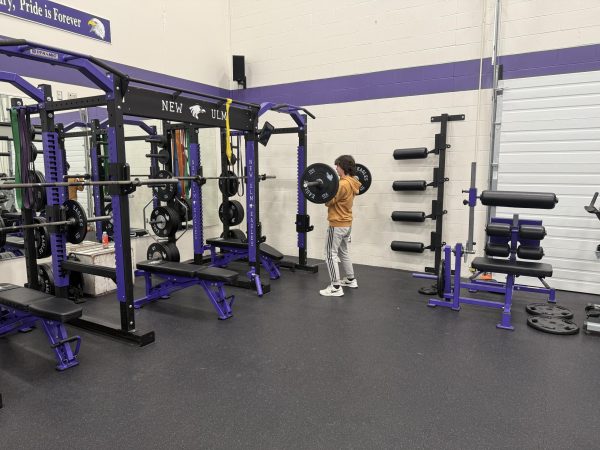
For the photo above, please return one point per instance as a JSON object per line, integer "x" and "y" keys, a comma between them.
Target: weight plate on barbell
{"x": 42, "y": 239}
{"x": 228, "y": 185}
{"x": 34, "y": 152}
{"x": 364, "y": 176}
{"x": 323, "y": 192}
{"x": 165, "y": 192}
{"x": 46, "y": 278}
{"x": 76, "y": 231}
{"x": 166, "y": 251}
{"x": 164, "y": 221}
{"x": 235, "y": 212}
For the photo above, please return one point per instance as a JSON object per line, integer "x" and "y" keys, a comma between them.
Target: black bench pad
{"x": 528, "y": 269}
{"x": 55, "y": 308}
{"x": 39, "y": 303}
{"x": 15, "y": 242}
{"x": 265, "y": 249}
{"x": 187, "y": 270}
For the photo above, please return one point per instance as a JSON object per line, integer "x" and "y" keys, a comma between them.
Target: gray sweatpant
{"x": 336, "y": 250}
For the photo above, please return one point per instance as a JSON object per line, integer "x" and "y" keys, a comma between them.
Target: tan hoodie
{"x": 339, "y": 208}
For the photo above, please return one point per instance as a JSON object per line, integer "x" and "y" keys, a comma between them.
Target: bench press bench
{"x": 181, "y": 275}
{"x": 235, "y": 249}
{"x": 21, "y": 308}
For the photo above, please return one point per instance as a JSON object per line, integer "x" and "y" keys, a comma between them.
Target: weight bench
{"x": 234, "y": 249}
{"x": 450, "y": 284}
{"x": 21, "y": 308}
{"x": 182, "y": 275}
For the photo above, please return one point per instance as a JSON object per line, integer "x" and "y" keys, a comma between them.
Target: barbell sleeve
{"x": 317, "y": 182}
{"x": 52, "y": 224}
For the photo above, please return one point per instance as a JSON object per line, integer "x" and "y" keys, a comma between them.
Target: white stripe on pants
{"x": 336, "y": 250}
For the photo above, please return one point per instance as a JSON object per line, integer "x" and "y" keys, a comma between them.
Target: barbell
{"x": 75, "y": 223}
{"x": 320, "y": 182}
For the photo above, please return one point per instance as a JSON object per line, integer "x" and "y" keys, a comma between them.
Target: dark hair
{"x": 346, "y": 162}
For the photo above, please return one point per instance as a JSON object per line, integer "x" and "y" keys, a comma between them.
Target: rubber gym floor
{"x": 376, "y": 368}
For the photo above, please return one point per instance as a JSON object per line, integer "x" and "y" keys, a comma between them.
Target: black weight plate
{"x": 2, "y": 233}
{"x": 166, "y": 251}
{"x": 441, "y": 278}
{"x": 236, "y": 234}
{"x": 552, "y": 325}
{"x": 108, "y": 225}
{"x": 324, "y": 192}
{"x": 34, "y": 152}
{"x": 549, "y": 309}
{"x": 42, "y": 239}
{"x": 229, "y": 185}
{"x": 76, "y": 231}
{"x": 364, "y": 176}
{"x": 46, "y": 278}
{"x": 39, "y": 193}
{"x": 164, "y": 221}
{"x": 236, "y": 213}
{"x": 165, "y": 192}
{"x": 164, "y": 156}
{"x": 184, "y": 207}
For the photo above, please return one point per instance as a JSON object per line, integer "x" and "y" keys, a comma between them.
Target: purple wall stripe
{"x": 411, "y": 81}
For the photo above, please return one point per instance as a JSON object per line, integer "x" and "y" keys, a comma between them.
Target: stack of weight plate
{"x": 551, "y": 318}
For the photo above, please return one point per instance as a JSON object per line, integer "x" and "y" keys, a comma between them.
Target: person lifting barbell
{"x": 320, "y": 184}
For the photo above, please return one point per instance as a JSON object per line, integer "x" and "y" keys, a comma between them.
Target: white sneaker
{"x": 330, "y": 291}
{"x": 347, "y": 283}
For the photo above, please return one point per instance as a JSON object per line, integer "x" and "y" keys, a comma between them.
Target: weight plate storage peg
{"x": 553, "y": 325}
{"x": 76, "y": 231}
{"x": 166, "y": 192}
{"x": 549, "y": 309}
{"x": 236, "y": 212}
{"x": 319, "y": 183}
{"x": 364, "y": 176}
{"x": 164, "y": 221}
{"x": 228, "y": 185}
{"x": 166, "y": 251}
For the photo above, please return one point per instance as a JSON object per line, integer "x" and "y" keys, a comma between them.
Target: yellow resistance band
{"x": 228, "y": 150}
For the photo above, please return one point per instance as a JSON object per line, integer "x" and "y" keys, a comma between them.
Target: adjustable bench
{"x": 181, "y": 275}
{"x": 21, "y": 308}
{"x": 234, "y": 249}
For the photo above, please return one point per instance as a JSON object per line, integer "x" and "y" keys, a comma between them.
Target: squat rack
{"x": 197, "y": 109}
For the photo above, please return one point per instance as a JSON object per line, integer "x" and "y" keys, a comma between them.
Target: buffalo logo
{"x": 197, "y": 110}
{"x": 329, "y": 176}
{"x": 97, "y": 27}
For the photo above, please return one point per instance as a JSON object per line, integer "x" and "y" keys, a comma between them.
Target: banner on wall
{"x": 58, "y": 16}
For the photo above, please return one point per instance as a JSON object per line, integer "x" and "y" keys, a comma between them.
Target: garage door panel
{"x": 550, "y": 142}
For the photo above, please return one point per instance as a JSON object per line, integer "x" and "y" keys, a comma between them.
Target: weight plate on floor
{"x": 328, "y": 187}
{"x": 235, "y": 212}
{"x": 364, "y": 176}
{"x": 553, "y": 325}
{"x": 166, "y": 251}
{"x": 108, "y": 225}
{"x": 42, "y": 239}
{"x": 549, "y": 309}
{"x": 165, "y": 192}
{"x": 76, "y": 231}
{"x": 164, "y": 221}
{"x": 229, "y": 186}
{"x": 46, "y": 278}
